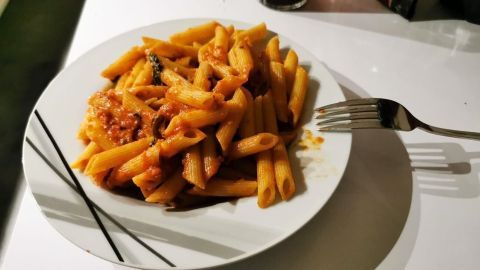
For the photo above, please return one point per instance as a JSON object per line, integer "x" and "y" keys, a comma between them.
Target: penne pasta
{"x": 97, "y": 134}
{"x": 193, "y": 166}
{"x": 228, "y": 85}
{"x": 279, "y": 92}
{"x": 124, "y": 63}
{"x": 247, "y": 125}
{"x": 191, "y": 96}
{"x": 170, "y": 50}
{"x": 196, "y": 119}
{"x": 168, "y": 190}
{"x": 81, "y": 162}
{"x": 148, "y": 91}
{"x": 202, "y": 76}
{"x": 121, "y": 81}
{"x": 180, "y": 141}
{"x": 252, "y": 145}
{"x": 297, "y": 97}
{"x": 268, "y": 111}
{"x": 136, "y": 165}
{"x": 241, "y": 58}
{"x": 221, "y": 44}
{"x": 252, "y": 35}
{"x": 226, "y": 188}
{"x": 136, "y": 70}
{"x": 144, "y": 77}
{"x": 171, "y": 78}
{"x": 201, "y": 34}
{"x": 272, "y": 51}
{"x": 265, "y": 169}
{"x": 148, "y": 180}
{"x": 211, "y": 160}
{"x": 228, "y": 127}
{"x": 290, "y": 65}
{"x": 186, "y": 72}
{"x": 135, "y": 104}
{"x": 283, "y": 172}
{"x": 265, "y": 179}
{"x": 115, "y": 156}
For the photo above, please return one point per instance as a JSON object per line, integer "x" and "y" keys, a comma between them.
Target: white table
{"x": 393, "y": 209}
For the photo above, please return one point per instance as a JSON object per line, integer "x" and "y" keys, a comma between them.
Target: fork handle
{"x": 450, "y": 132}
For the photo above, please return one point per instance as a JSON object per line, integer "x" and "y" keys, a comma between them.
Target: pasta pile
{"x": 207, "y": 113}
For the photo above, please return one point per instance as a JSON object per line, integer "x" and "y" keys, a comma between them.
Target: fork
{"x": 371, "y": 113}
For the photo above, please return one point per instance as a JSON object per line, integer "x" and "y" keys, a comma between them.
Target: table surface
{"x": 407, "y": 200}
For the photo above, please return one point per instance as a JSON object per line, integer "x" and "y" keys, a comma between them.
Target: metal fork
{"x": 370, "y": 113}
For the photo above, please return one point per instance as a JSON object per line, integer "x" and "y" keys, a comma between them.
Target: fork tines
{"x": 347, "y": 115}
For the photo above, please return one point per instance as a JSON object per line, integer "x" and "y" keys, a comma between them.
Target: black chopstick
{"x": 98, "y": 208}
{"x": 79, "y": 187}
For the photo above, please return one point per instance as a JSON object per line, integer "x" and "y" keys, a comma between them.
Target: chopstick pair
{"x": 91, "y": 205}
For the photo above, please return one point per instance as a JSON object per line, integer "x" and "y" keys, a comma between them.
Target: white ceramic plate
{"x": 199, "y": 238}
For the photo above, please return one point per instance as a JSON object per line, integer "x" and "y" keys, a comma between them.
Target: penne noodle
{"x": 226, "y": 188}
{"x": 272, "y": 51}
{"x": 253, "y": 34}
{"x": 283, "y": 172}
{"x": 202, "y": 76}
{"x": 229, "y": 126}
{"x": 211, "y": 160}
{"x": 221, "y": 44}
{"x": 201, "y": 34}
{"x": 148, "y": 180}
{"x": 193, "y": 166}
{"x": 136, "y": 165}
{"x": 115, "y": 156}
{"x": 148, "y": 91}
{"x": 124, "y": 63}
{"x": 196, "y": 119}
{"x": 186, "y": 72}
{"x": 121, "y": 81}
{"x": 191, "y": 96}
{"x": 171, "y": 78}
{"x": 144, "y": 77}
{"x": 82, "y": 160}
{"x": 279, "y": 92}
{"x": 97, "y": 134}
{"x": 132, "y": 103}
{"x": 136, "y": 70}
{"x": 180, "y": 141}
{"x": 242, "y": 59}
{"x": 252, "y": 145}
{"x": 170, "y": 50}
{"x": 247, "y": 125}
{"x": 265, "y": 179}
{"x": 100, "y": 178}
{"x": 168, "y": 190}
{"x": 297, "y": 97}
{"x": 268, "y": 111}
{"x": 228, "y": 85}
{"x": 265, "y": 169}
{"x": 221, "y": 70}
{"x": 290, "y": 65}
